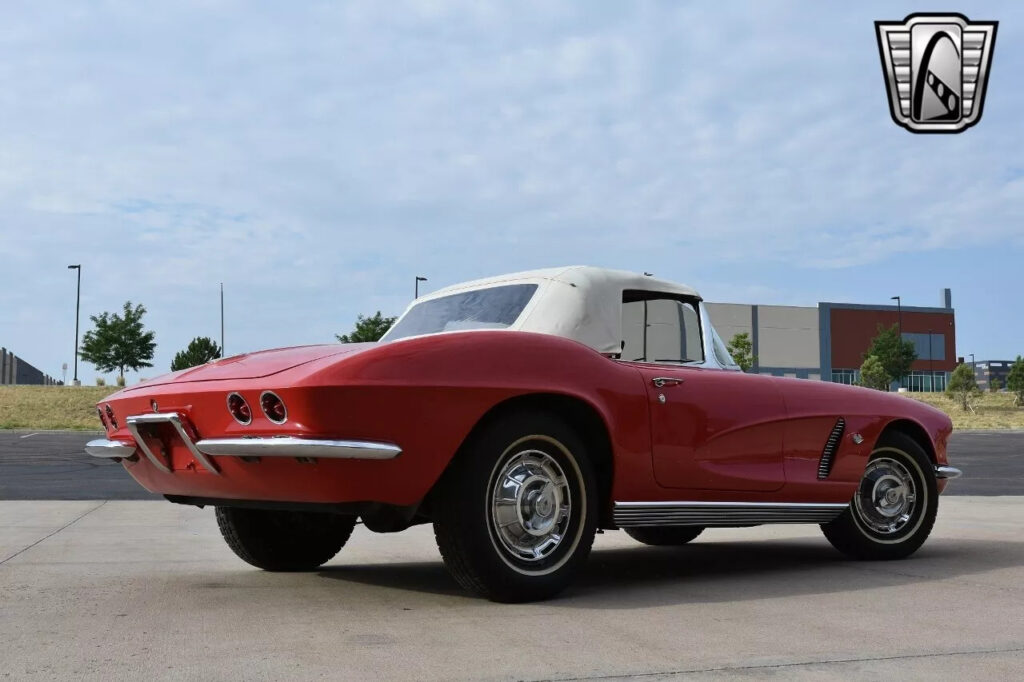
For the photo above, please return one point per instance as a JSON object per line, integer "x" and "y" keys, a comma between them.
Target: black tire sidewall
{"x": 468, "y": 489}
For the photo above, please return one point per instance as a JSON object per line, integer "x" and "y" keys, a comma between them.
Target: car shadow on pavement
{"x": 709, "y": 572}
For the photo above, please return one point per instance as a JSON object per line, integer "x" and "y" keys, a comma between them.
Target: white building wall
{"x": 788, "y": 336}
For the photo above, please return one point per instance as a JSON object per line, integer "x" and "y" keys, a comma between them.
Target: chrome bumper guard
{"x": 273, "y": 446}
{"x": 109, "y": 448}
{"x": 947, "y": 472}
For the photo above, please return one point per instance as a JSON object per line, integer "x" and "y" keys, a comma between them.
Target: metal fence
{"x": 14, "y": 370}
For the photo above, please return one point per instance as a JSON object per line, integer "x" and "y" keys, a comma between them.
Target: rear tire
{"x": 516, "y": 510}
{"x": 894, "y": 508}
{"x": 664, "y": 536}
{"x": 284, "y": 540}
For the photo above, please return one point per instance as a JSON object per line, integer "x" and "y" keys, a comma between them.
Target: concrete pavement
{"x": 147, "y": 590}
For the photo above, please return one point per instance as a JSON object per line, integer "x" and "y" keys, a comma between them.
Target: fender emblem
{"x": 857, "y": 438}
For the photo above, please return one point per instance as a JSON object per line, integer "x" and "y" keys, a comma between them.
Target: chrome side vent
{"x": 831, "y": 445}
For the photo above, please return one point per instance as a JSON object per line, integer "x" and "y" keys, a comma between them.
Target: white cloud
{"x": 316, "y": 158}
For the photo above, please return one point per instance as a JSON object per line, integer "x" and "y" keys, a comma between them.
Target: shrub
{"x": 120, "y": 380}
{"x": 100, "y": 381}
{"x": 873, "y": 374}
{"x": 1015, "y": 381}
{"x": 962, "y": 387}
{"x": 994, "y": 385}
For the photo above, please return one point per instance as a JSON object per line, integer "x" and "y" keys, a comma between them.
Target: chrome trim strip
{"x": 173, "y": 419}
{"x": 291, "y": 446}
{"x": 109, "y": 448}
{"x": 947, "y": 472}
{"x": 628, "y": 514}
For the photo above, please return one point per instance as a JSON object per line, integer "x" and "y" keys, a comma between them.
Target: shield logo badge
{"x": 936, "y": 68}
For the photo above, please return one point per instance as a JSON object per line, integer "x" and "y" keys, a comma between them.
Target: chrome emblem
{"x": 936, "y": 70}
{"x": 857, "y": 438}
{"x": 152, "y": 403}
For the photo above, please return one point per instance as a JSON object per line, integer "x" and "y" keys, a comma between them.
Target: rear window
{"x": 493, "y": 308}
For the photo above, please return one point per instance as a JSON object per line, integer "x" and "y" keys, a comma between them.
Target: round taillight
{"x": 103, "y": 417}
{"x": 110, "y": 418}
{"x": 239, "y": 409}
{"x": 273, "y": 407}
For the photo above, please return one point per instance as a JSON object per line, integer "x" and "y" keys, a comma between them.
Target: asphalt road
{"x": 95, "y": 590}
{"x": 52, "y": 465}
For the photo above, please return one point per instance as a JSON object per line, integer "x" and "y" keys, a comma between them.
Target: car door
{"x": 711, "y": 429}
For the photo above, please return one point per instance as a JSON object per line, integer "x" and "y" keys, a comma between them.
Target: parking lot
{"x": 107, "y": 588}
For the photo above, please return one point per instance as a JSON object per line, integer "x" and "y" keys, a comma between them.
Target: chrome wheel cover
{"x": 530, "y": 505}
{"x": 887, "y": 497}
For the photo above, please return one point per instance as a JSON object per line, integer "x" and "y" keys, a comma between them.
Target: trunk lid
{"x": 259, "y": 364}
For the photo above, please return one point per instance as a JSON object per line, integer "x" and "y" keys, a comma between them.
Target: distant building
{"x": 828, "y": 342}
{"x": 987, "y": 370}
{"x": 14, "y": 370}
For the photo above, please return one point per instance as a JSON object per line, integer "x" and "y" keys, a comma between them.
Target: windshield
{"x": 721, "y": 352}
{"x": 493, "y": 308}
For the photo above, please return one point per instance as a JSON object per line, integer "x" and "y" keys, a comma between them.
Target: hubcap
{"x": 887, "y": 496}
{"x": 530, "y": 505}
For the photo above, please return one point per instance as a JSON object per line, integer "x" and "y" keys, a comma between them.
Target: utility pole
{"x": 222, "y": 354}
{"x": 418, "y": 280}
{"x": 78, "y": 305}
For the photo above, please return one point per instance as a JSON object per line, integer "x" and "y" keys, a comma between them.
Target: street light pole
{"x": 418, "y": 280}
{"x": 931, "y": 366}
{"x": 899, "y": 314}
{"x": 78, "y": 305}
{"x": 899, "y": 326}
{"x": 222, "y": 319}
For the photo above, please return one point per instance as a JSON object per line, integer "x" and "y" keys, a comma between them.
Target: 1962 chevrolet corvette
{"x": 519, "y": 414}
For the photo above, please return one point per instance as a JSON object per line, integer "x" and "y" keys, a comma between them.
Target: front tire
{"x": 284, "y": 540}
{"x": 515, "y": 512}
{"x": 894, "y": 508}
{"x": 664, "y": 536}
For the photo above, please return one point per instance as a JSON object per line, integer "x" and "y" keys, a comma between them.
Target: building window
{"x": 846, "y": 376}
{"x": 933, "y": 349}
{"x": 923, "y": 381}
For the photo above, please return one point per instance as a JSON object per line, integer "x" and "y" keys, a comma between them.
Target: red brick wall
{"x": 852, "y": 331}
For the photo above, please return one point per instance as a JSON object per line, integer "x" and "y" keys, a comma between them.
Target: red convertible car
{"x": 519, "y": 415}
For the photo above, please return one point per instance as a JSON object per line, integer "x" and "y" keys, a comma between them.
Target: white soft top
{"x": 578, "y": 302}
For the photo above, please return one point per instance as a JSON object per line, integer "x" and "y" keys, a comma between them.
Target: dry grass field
{"x": 51, "y": 407}
{"x": 991, "y": 410}
{"x": 73, "y": 407}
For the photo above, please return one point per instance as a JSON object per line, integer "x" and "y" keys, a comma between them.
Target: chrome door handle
{"x": 661, "y": 382}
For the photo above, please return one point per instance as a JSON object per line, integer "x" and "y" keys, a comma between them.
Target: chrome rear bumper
{"x": 203, "y": 449}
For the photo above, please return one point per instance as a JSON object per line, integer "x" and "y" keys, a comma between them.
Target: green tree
{"x": 119, "y": 341}
{"x": 962, "y": 387}
{"x": 873, "y": 374}
{"x": 1015, "y": 381}
{"x": 368, "y": 329}
{"x": 995, "y": 385}
{"x": 742, "y": 351}
{"x": 895, "y": 353}
{"x": 199, "y": 351}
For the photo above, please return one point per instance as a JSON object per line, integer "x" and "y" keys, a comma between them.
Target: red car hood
{"x": 257, "y": 365}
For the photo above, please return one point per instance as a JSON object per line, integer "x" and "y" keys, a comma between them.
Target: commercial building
{"x": 827, "y": 342}
{"x": 987, "y": 370}
{"x": 14, "y": 370}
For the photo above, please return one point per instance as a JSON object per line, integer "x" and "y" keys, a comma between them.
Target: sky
{"x": 316, "y": 157}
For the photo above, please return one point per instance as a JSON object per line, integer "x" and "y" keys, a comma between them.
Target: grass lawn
{"x": 51, "y": 407}
{"x": 73, "y": 407}
{"x": 992, "y": 410}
